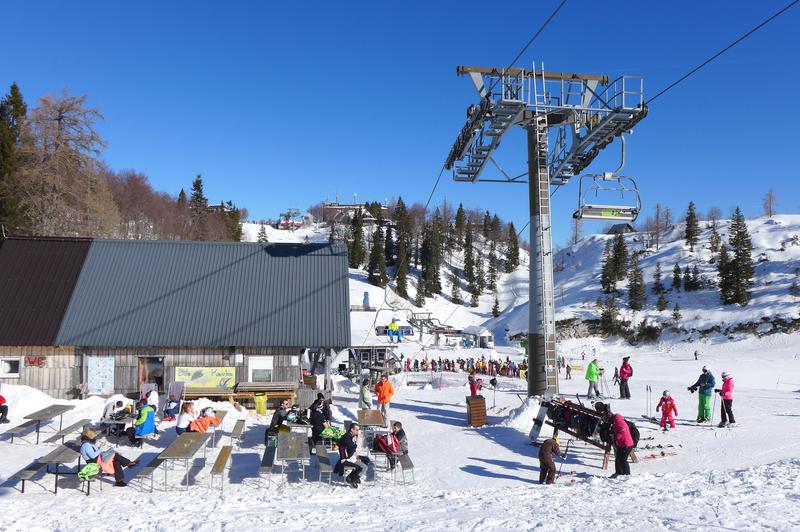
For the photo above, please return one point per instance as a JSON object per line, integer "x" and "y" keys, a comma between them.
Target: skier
{"x": 727, "y": 401}
{"x": 667, "y": 407}
{"x": 623, "y": 445}
{"x": 705, "y": 383}
{"x": 547, "y": 468}
{"x": 625, "y": 373}
{"x": 593, "y": 373}
{"x": 569, "y": 372}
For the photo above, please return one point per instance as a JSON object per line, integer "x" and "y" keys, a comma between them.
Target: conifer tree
{"x": 434, "y": 278}
{"x": 13, "y": 112}
{"x": 687, "y": 280}
{"x": 608, "y": 277}
{"x": 512, "y": 256}
{"x": 495, "y": 228}
{"x": 715, "y": 239}
{"x": 403, "y": 225}
{"x": 181, "y": 202}
{"x": 794, "y": 289}
{"x": 357, "y": 250}
{"x": 658, "y": 286}
{"x": 742, "y": 262}
{"x": 262, "y": 234}
{"x": 480, "y": 280}
{"x": 609, "y": 320}
{"x": 487, "y": 225}
{"x": 724, "y": 271}
{"x": 695, "y": 278}
{"x": 662, "y": 302}
{"x": 469, "y": 263}
{"x": 492, "y": 269}
{"x": 676, "y": 277}
{"x": 620, "y": 257}
{"x": 401, "y": 278}
{"x": 496, "y": 306}
{"x": 455, "y": 289}
{"x": 450, "y": 240}
{"x": 388, "y": 247}
{"x": 377, "y": 259}
{"x": 460, "y": 225}
{"x": 474, "y": 299}
{"x": 636, "y": 290}
{"x": 692, "y": 229}
{"x": 676, "y": 313}
{"x": 198, "y": 209}
{"x": 420, "y": 299}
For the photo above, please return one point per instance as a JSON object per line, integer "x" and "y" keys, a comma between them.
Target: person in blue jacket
{"x": 705, "y": 384}
{"x": 90, "y": 452}
{"x": 145, "y": 424}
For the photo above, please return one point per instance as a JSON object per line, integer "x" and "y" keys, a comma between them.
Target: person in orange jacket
{"x": 384, "y": 391}
{"x": 668, "y": 408}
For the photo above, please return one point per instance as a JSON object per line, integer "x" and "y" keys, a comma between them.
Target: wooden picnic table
{"x": 47, "y": 414}
{"x": 293, "y": 447}
{"x": 63, "y": 454}
{"x": 371, "y": 418}
{"x": 123, "y": 421}
{"x": 184, "y": 448}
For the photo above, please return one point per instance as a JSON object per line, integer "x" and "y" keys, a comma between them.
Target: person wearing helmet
{"x": 668, "y": 408}
{"x": 727, "y": 400}
{"x": 705, "y": 383}
{"x": 547, "y": 468}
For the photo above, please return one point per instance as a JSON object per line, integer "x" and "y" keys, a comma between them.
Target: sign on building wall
{"x": 206, "y": 377}
{"x": 100, "y": 375}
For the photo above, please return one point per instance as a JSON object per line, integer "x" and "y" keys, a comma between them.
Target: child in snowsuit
{"x": 547, "y": 468}
{"x": 667, "y": 407}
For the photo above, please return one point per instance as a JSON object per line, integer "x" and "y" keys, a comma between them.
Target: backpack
{"x": 89, "y": 472}
{"x": 634, "y": 432}
{"x": 387, "y": 444}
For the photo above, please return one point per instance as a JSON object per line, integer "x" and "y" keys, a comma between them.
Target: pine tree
{"x": 420, "y": 299}
{"x": 455, "y": 289}
{"x": 480, "y": 280}
{"x": 403, "y": 225}
{"x": 389, "y": 247}
{"x": 609, "y": 320}
{"x": 636, "y": 290}
{"x": 662, "y": 302}
{"x": 715, "y": 239}
{"x": 357, "y": 249}
{"x": 487, "y": 225}
{"x": 232, "y": 217}
{"x": 401, "y": 279}
{"x": 687, "y": 280}
{"x": 469, "y": 263}
{"x": 695, "y": 278}
{"x": 262, "y": 234}
{"x": 496, "y": 307}
{"x": 794, "y": 289}
{"x": 724, "y": 271}
{"x": 377, "y": 259}
{"x": 512, "y": 256}
{"x": 495, "y": 228}
{"x": 198, "y": 209}
{"x": 492, "y": 270}
{"x": 473, "y": 300}
{"x": 692, "y": 229}
{"x": 676, "y": 313}
{"x": 676, "y": 277}
{"x": 620, "y": 257}
{"x": 181, "y": 202}
{"x": 13, "y": 111}
{"x": 461, "y": 222}
{"x": 608, "y": 277}
{"x": 658, "y": 286}
{"x": 434, "y": 278}
{"x": 742, "y": 262}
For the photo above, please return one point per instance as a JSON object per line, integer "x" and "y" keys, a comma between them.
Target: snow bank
{"x": 521, "y": 418}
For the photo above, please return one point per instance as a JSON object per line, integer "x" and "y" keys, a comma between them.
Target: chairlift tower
{"x": 569, "y": 118}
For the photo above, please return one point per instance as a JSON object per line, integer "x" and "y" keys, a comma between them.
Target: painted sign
{"x": 37, "y": 362}
{"x": 206, "y": 377}
{"x": 100, "y": 375}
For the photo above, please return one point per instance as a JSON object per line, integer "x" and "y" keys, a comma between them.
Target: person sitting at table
{"x": 278, "y": 419}
{"x": 320, "y": 415}
{"x": 110, "y": 462}
{"x": 348, "y": 445}
{"x": 206, "y": 419}
{"x": 171, "y": 409}
{"x": 185, "y": 418}
{"x": 144, "y": 425}
{"x": 3, "y": 410}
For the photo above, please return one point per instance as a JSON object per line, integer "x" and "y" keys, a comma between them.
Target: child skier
{"x": 667, "y": 407}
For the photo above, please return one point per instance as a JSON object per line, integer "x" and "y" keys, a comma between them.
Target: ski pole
{"x": 713, "y": 409}
{"x": 563, "y": 458}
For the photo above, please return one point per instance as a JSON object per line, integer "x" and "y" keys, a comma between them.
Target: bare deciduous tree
{"x": 769, "y": 203}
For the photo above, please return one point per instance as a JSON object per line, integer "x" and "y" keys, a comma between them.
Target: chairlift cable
{"x": 734, "y": 43}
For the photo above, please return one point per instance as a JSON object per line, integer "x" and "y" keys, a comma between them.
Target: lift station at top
{"x": 569, "y": 118}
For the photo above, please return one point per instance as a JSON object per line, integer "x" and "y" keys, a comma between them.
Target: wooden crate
{"x": 476, "y": 411}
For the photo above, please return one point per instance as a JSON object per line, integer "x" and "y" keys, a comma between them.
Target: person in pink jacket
{"x": 625, "y": 373}
{"x": 667, "y": 407}
{"x": 727, "y": 400}
{"x": 623, "y": 445}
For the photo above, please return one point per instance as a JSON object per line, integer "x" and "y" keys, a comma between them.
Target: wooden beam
{"x": 461, "y": 70}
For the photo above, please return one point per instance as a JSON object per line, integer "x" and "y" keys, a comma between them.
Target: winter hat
{"x": 625, "y": 359}
{"x": 725, "y": 374}
{"x": 558, "y": 442}
{"x": 705, "y": 368}
{"x": 666, "y": 393}
{"x": 320, "y": 396}
{"x": 89, "y": 433}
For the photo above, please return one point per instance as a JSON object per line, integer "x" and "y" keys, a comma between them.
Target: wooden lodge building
{"x": 85, "y": 317}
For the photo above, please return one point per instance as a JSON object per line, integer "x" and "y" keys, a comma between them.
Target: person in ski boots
{"x": 547, "y": 468}
{"x": 348, "y": 445}
{"x": 625, "y": 373}
{"x": 623, "y": 445}
{"x": 705, "y": 384}
{"x": 726, "y": 392}
{"x": 593, "y": 373}
{"x": 668, "y": 408}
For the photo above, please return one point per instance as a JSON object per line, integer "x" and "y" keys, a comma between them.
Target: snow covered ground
{"x": 744, "y": 478}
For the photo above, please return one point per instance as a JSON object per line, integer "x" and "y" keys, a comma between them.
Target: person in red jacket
{"x": 3, "y": 410}
{"x": 667, "y": 407}
{"x": 625, "y": 373}
{"x": 623, "y": 445}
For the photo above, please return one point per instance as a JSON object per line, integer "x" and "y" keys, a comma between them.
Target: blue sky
{"x": 285, "y": 104}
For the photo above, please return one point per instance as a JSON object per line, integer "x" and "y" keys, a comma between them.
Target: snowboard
{"x": 538, "y": 421}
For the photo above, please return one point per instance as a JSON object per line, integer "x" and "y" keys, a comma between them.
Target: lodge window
{"x": 9, "y": 367}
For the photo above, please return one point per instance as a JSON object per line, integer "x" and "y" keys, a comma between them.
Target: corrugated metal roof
{"x": 147, "y": 293}
{"x": 37, "y": 276}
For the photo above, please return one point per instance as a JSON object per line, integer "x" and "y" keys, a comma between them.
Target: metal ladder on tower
{"x": 545, "y": 261}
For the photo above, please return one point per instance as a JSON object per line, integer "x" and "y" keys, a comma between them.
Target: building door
{"x": 151, "y": 371}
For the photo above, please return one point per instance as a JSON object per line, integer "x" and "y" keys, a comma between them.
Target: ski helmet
{"x": 666, "y": 393}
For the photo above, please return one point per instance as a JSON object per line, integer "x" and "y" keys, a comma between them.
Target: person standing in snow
{"x": 384, "y": 391}
{"x": 705, "y": 384}
{"x": 727, "y": 400}
{"x": 547, "y": 468}
{"x": 667, "y": 407}
{"x": 623, "y": 445}
{"x": 569, "y": 372}
{"x": 319, "y": 413}
{"x": 3, "y": 410}
{"x": 364, "y": 396}
{"x": 625, "y": 373}
{"x": 593, "y": 373}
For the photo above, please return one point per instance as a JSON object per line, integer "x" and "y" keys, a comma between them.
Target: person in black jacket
{"x": 277, "y": 421}
{"x": 348, "y": 445}
{"x": 319, "y": 413}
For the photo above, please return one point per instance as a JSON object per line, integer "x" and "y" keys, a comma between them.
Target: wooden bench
{"x": 27, "y": 473}
{"x": 65, "y": 432}
{"x": 22, "y": 427}
{"x": 238, "y": 432}
{"x": 218, "y": 469}
{"x": 324, "y": 462}
{"x": 407, "y": 465}
{"x": 267, "y": 461}
{"x": 149, "y": 469}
